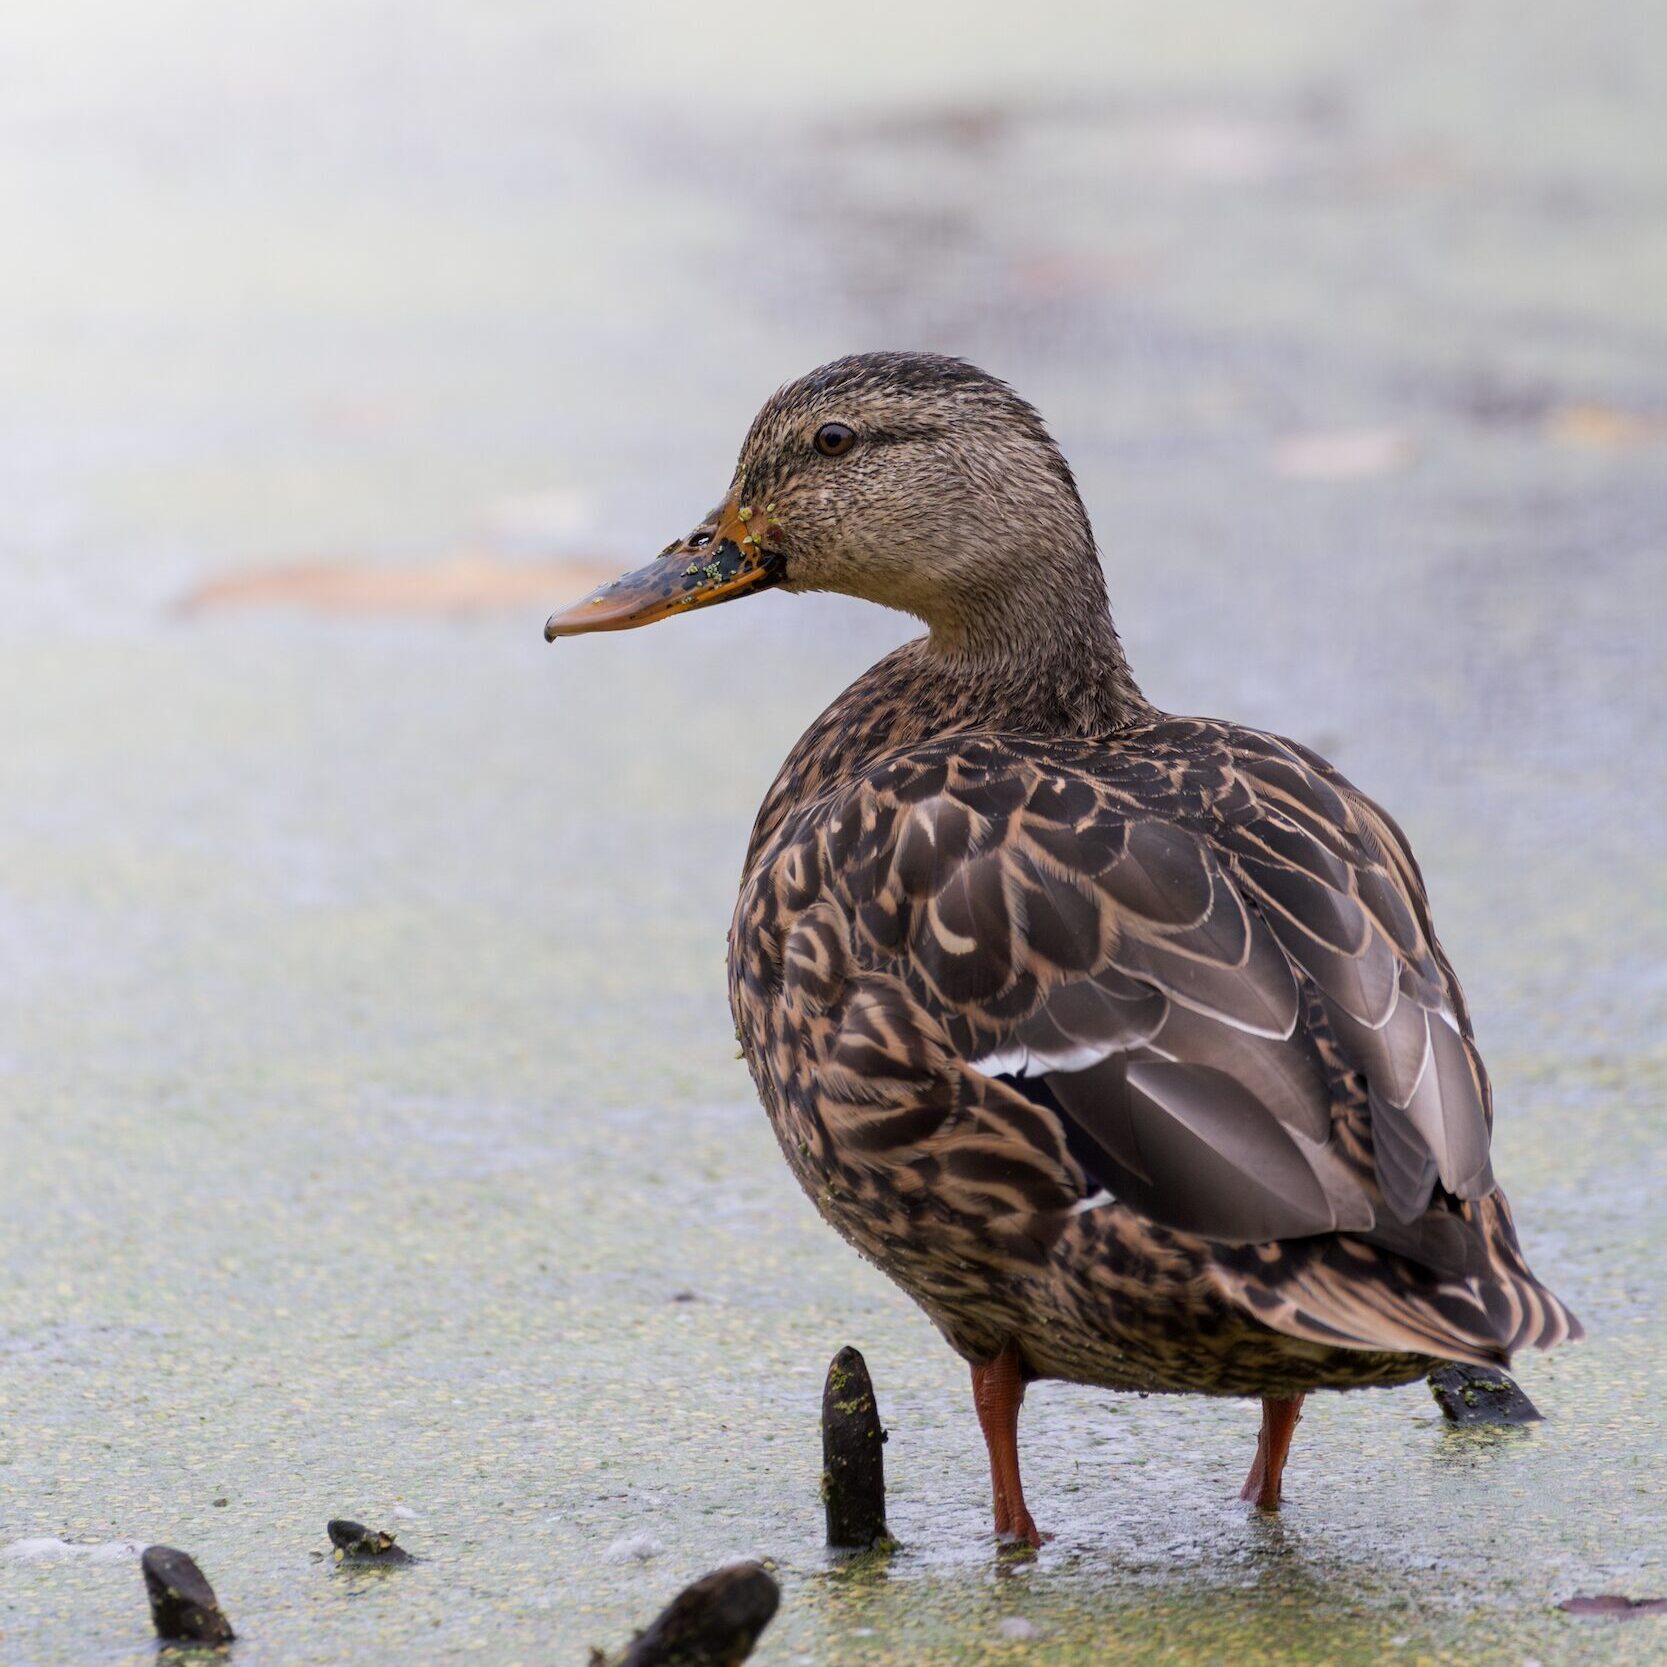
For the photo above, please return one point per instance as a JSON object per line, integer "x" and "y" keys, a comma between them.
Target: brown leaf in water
{"x": 1604, "y": 427}
{"x": 461, "y": 585}
{"x": 1612, "y": 1603}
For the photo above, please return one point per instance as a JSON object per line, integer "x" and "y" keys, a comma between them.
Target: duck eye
{"x": 834, "y": 439}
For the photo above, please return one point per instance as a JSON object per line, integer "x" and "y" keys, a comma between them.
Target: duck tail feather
{"x": 1343, "y": 1291}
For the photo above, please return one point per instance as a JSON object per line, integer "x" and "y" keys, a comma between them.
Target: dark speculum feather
{"x": 1282, "y": 1073}
{"x": 1187, "y": 1145}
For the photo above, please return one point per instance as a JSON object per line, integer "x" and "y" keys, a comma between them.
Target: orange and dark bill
{"x": 728, "y": 557}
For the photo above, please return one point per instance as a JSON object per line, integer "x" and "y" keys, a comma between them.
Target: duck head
{"x": 909, "y": 479}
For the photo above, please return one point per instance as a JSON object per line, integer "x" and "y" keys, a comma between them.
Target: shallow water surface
{"x": 374, "y": 1143}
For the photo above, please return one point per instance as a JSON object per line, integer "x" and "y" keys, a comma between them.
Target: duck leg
{"x": 1279, "y": 1422}
{"x": 998, "y": 1391}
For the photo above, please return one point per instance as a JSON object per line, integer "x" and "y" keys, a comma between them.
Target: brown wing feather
{"x": 1059, "y": 908}
{"x": 1218, "y": 955}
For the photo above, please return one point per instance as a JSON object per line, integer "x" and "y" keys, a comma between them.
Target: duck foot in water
{"x": 1264, "y": 1486}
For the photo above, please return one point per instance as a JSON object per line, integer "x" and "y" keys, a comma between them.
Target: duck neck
{"x": 1039, "y": 660}
{"x": 1053, "y": 673}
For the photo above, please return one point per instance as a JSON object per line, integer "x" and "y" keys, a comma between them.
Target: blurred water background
{"x": 367, "y": 1094}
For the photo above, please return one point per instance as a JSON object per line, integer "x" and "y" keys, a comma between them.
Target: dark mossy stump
{"x": 713, "y": 1623}
{"x": 183, "y": 1607}
{"x": 853, "y": 1460}
{"x": 1470, "y": 1395}
{"x": 356, "y": 1543}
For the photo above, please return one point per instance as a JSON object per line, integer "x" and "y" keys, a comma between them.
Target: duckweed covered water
{"x": 373, "y": 1140}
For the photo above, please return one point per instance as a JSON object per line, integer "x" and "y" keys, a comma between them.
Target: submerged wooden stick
{"x": 713, "y": 1623}
{"x": 1472, "y": 1395}
{"x": 853, "y": 1465}
{"x": 183, "y": 1607}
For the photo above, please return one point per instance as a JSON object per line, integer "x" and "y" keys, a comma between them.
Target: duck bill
{"x": 729, "y": 555}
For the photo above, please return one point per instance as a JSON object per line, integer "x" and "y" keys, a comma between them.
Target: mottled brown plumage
{"x": 1123, "y": 1042}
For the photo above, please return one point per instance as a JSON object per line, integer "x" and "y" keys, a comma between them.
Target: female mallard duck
{"x": 1122, "y": 1042}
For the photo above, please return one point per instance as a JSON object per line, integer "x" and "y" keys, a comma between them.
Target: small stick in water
{"x": 713, "y": 1623}
{"x": 853, "y": 1466}
{"x": 1470, "y": 1395}
{"x": 183, "y": 1607}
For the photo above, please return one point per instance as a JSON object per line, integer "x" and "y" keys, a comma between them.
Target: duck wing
{"x": 1211, "y": 959}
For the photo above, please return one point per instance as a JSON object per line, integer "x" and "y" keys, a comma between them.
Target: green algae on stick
{"x": 1474, "y": 1395}
{"x": 183, "y": 1607}
{"x": 853, "y": 1464}
{"x": 713, "y": 1623}
{"x": 356, "y": 1543}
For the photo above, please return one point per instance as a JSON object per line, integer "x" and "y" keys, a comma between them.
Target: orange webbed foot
{"x": 1022, "y": 1530}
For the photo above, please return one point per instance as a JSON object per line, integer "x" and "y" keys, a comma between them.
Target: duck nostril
{"x": 699, "y": 541}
